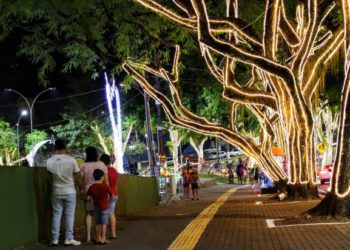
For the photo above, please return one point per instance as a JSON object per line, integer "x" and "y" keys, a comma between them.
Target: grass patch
{"x": 218, "y": 179}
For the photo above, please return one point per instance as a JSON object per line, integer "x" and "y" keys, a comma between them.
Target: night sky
{"x": 21, "y": 75}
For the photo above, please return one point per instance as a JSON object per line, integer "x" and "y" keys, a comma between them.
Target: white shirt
{"x": 62, "y": 168}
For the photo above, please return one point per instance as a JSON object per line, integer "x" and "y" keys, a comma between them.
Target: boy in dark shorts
{"x": 100, "y": 193}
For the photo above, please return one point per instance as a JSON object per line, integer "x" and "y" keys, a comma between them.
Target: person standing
{"x": 239, "y": 171}
{"x": 113, "y": 184}
{"x": 186, "y": 182}
{"x": 194, "y": 179}
{"x": 89, "y": 166}
{"x": 65, "y": 174}
{"x": 100, "y": 193}
{"x": 230, "y": 174}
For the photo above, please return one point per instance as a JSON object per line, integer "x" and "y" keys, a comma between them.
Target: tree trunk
{"x": 332, "y": 205}
{"x": 297, "y": 191}
{"x": 337, "y": 202}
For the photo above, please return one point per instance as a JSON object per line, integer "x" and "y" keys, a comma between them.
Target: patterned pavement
{"x": 226, "y": 217}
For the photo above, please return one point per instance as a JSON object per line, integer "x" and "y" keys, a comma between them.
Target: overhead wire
{"x": 82, "y": 114}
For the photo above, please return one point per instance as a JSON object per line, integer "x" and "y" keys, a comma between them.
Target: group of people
{"x": 190, "y": 182}
{"x": 97, "y": 183}
{"x": 243, "y": 172}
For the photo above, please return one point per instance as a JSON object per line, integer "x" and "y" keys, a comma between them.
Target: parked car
{"x": 169, "y": 161}
{"x": 326, "y": 173}
{"x": 235, "y": 152}
{"x": 212, "y": 154}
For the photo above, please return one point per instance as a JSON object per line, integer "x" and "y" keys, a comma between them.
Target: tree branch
{"x": 219, "y": 25}
{"x": 288, "y": 32}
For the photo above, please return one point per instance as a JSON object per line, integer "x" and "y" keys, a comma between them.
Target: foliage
{"x": 135, "y": 148}
{"x": 33, "y": 138}
{"x": 92, "y": 36}
{"x": 76, "y": 132}
{"x": 7, "y": 139}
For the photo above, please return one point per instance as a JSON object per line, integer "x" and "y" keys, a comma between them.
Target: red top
{"x": 113, "y": 180}
{"x": 100, "y": 193}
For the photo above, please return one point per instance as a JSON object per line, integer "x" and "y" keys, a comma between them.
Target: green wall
{"x": 18, "y": 216}
{"x": 136, "y": 193}
{"x": 25, "y": 208}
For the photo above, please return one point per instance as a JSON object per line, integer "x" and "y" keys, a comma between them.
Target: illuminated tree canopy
{"x": 288, "y": 64}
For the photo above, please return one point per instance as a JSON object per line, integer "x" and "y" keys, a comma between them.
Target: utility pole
{"x": 149, "y": 138}
{"x": 217, "y": 149}
{"x": 161, "y": 155}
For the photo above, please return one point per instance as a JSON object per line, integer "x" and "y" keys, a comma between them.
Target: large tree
{"x": 337, "y": 201}
{"x": 287, "y": 62}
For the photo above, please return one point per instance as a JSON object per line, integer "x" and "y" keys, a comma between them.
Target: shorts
{"x": 194, "y": 186}
{"x": 185, "y": 185}
{"x": 112, "y": 203}
{"x": 101, "y": 216}
{"x": 89, "y": 205}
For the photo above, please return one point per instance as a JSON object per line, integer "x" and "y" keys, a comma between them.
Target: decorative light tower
{"x": 112, "y": 94}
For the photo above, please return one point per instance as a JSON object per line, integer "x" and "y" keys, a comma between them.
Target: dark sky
{"x": 19, "y": 74}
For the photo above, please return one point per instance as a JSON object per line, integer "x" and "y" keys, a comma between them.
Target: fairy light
{"x": 344, "y": 102}
{"x": 112, "y": 93}
{"x": 291, "y": 86}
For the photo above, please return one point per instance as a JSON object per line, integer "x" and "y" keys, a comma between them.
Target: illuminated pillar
{"x": 112, "y": 94}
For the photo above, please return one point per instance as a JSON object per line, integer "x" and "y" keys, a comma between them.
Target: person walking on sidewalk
{"x": 101, "y": 195}
{"x": 89, "y": 166}
{"x": 113, "y": 185}
{"x": 194, "y": 179}
{"x": 65, "y": 175}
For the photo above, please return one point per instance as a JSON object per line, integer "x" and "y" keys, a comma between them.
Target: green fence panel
{"x": 25, "y": 208}
{"x": 18, "y": 217}
{"x": 136, "y": 193}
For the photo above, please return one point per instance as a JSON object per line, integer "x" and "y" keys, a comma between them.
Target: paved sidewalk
{"x": 223, "y": 218}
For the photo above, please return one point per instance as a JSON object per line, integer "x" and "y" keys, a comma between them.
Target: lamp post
{"x": 30, "y": 106}
{"x": 23, "y": 113}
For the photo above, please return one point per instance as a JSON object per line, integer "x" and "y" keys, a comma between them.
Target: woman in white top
{"x": 91, "y": 163}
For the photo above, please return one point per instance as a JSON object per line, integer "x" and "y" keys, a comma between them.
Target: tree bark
{"x": 332, "y": 206}
{"x": 297, "y": 191}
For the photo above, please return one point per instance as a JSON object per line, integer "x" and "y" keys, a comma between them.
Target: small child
{"x": 100, "y": 193}
{"x": 194, "y": 179}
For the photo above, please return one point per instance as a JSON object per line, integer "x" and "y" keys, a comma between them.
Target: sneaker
{"x": 54, "y": 243}
{"x": 72, "y": 242}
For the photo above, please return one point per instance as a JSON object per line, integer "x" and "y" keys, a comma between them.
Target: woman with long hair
{"x": 91, "y": 163}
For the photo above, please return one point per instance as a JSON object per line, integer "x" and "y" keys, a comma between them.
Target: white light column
{"x": 112, "y": 93}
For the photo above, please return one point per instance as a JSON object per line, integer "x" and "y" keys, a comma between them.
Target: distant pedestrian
{"x": 239, "y": 171}
{"x": 113, "y": 184}
{"x": 230, "y": 174}
{"x": 65, "y": 175}
{"x": 244, "y": 175}
{"x": 186, "y": 182}
{"x": 91, "y": 163}
{"x": 101, "y": 194}
{"x": 194, "y": 179}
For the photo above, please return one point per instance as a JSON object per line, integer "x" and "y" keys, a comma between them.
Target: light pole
{"x": 23, "y": 113}
{"x": 30, "y": 106}
{"x": 149, "y": 135}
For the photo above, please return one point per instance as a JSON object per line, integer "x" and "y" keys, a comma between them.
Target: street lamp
{"x": 23, "y": 113}
{"x": 30, "y": 106}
